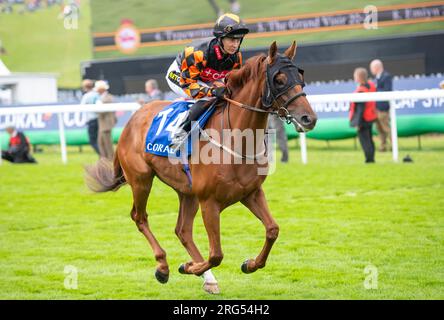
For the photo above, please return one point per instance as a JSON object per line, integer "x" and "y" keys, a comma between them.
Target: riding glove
{"x": 218, "y": 92}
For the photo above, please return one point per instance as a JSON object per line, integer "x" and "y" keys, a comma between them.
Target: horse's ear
{"x": 291, "y": 52}
{"x": 272, "y": 52}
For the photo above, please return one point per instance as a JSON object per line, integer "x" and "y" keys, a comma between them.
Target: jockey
{"x": 198, "y": 71}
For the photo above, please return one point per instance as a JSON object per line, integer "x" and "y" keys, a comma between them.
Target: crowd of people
{"x": 187, "y": 78}
{"x": 7, "y": 6}
{"x": 100, "y": 124}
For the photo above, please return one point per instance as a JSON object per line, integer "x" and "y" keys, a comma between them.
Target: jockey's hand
{"x": 218, "y": 92}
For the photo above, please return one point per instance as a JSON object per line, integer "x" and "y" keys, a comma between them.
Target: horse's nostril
{"x": 306, "y": 120}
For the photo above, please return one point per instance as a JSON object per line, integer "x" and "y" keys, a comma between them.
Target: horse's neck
{"x": 251, "y": 124}
{"x": 243, "y": 119}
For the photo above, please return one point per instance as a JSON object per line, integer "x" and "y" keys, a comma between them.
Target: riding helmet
{"x": 230, "y": 25}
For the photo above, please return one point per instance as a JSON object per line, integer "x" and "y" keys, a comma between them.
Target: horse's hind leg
{"x": 257, "y": 204}
{"x": 189, "y": 204}
{"x": 141, "y": 188}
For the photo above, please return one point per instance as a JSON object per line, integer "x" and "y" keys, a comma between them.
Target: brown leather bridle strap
{"x": 245, "y": 106}
{"x": 286, "y": 117}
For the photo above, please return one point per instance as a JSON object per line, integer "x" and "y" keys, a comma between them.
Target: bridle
{"x": 272, "y": 93}
{"x": 270, "y": 96}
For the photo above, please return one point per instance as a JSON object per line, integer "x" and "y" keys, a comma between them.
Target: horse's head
{"x": 283, "y": 90}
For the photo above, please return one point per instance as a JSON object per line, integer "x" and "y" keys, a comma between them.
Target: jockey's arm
{"x": 192, "y": 65}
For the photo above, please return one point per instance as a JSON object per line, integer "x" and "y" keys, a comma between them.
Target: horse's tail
{"x": 105, "y": 175}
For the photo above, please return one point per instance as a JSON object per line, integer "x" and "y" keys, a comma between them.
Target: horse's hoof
{"x": 211, "y": 287}
{"x": 161, "y": 277}
{"x": 244, "y": 267}
{"x": 182, "y": 269}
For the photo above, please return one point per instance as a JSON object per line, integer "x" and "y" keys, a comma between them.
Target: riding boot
{"x": 196, "y": 110}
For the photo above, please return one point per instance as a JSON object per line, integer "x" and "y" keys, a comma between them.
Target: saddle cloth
{"x": 166, "y": 122}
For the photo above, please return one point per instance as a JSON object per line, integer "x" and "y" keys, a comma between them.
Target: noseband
{"x": 272, "y": 92}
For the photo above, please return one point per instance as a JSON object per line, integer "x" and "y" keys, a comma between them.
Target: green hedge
{"x": 339, "y": 128}
{"x": 74, "y": 137}
{"x": 326, "y": 129}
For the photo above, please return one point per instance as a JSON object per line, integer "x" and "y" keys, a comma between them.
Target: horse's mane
{"x": 250, "y": 70}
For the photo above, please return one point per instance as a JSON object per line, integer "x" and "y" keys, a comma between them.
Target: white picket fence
{"x": 326, "y": 98}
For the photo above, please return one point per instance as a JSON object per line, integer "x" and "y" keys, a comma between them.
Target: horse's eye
{"x": 280, "y": 80}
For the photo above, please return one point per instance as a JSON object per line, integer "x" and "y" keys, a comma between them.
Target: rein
{"x": 271, "y": 93}
{"x": 282, "y": 112}
{"x": 230, "y": 151}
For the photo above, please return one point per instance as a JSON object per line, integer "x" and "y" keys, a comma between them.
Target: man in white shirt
{"x": 91, "y": 97}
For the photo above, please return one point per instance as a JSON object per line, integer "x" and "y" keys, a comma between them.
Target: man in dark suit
{"x": 384, "y": 82}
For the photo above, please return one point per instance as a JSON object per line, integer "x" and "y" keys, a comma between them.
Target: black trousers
{"x": 196, "y": 110}
{"x": 93, "y": 132}
{"x": 366, "y": 140}
{"x": 18, "y": 157}
{"x": 7, "y": 156}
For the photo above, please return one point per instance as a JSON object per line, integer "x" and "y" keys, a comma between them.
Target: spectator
{"x": 384, "y": 82}
{"x": 441, "y": 84}
{"x": 107, "y": 121}
{"x": 19, "y": 148}
{"x": 91, "y": 97}
{"x": 362, "y": 114}
{"x": 152, "y": 92}
{"x": 274, "y": 122}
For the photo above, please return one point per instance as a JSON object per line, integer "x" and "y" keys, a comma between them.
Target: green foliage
{"x": 107, "y": 15}
{"x": 38, "y": 42}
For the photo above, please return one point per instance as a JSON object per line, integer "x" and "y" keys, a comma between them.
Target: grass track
{"x": 336, "y": 214}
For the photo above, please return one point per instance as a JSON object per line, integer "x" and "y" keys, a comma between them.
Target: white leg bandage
{"x": 209, "y": 277}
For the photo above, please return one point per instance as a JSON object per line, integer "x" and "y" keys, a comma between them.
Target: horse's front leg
{"x": 257, "y": 204}
{"x": 184, "y": 230}
{"x": 211, "y": 218}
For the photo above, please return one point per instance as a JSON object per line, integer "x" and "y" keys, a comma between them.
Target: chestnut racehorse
{"x": 265, "y": 84}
